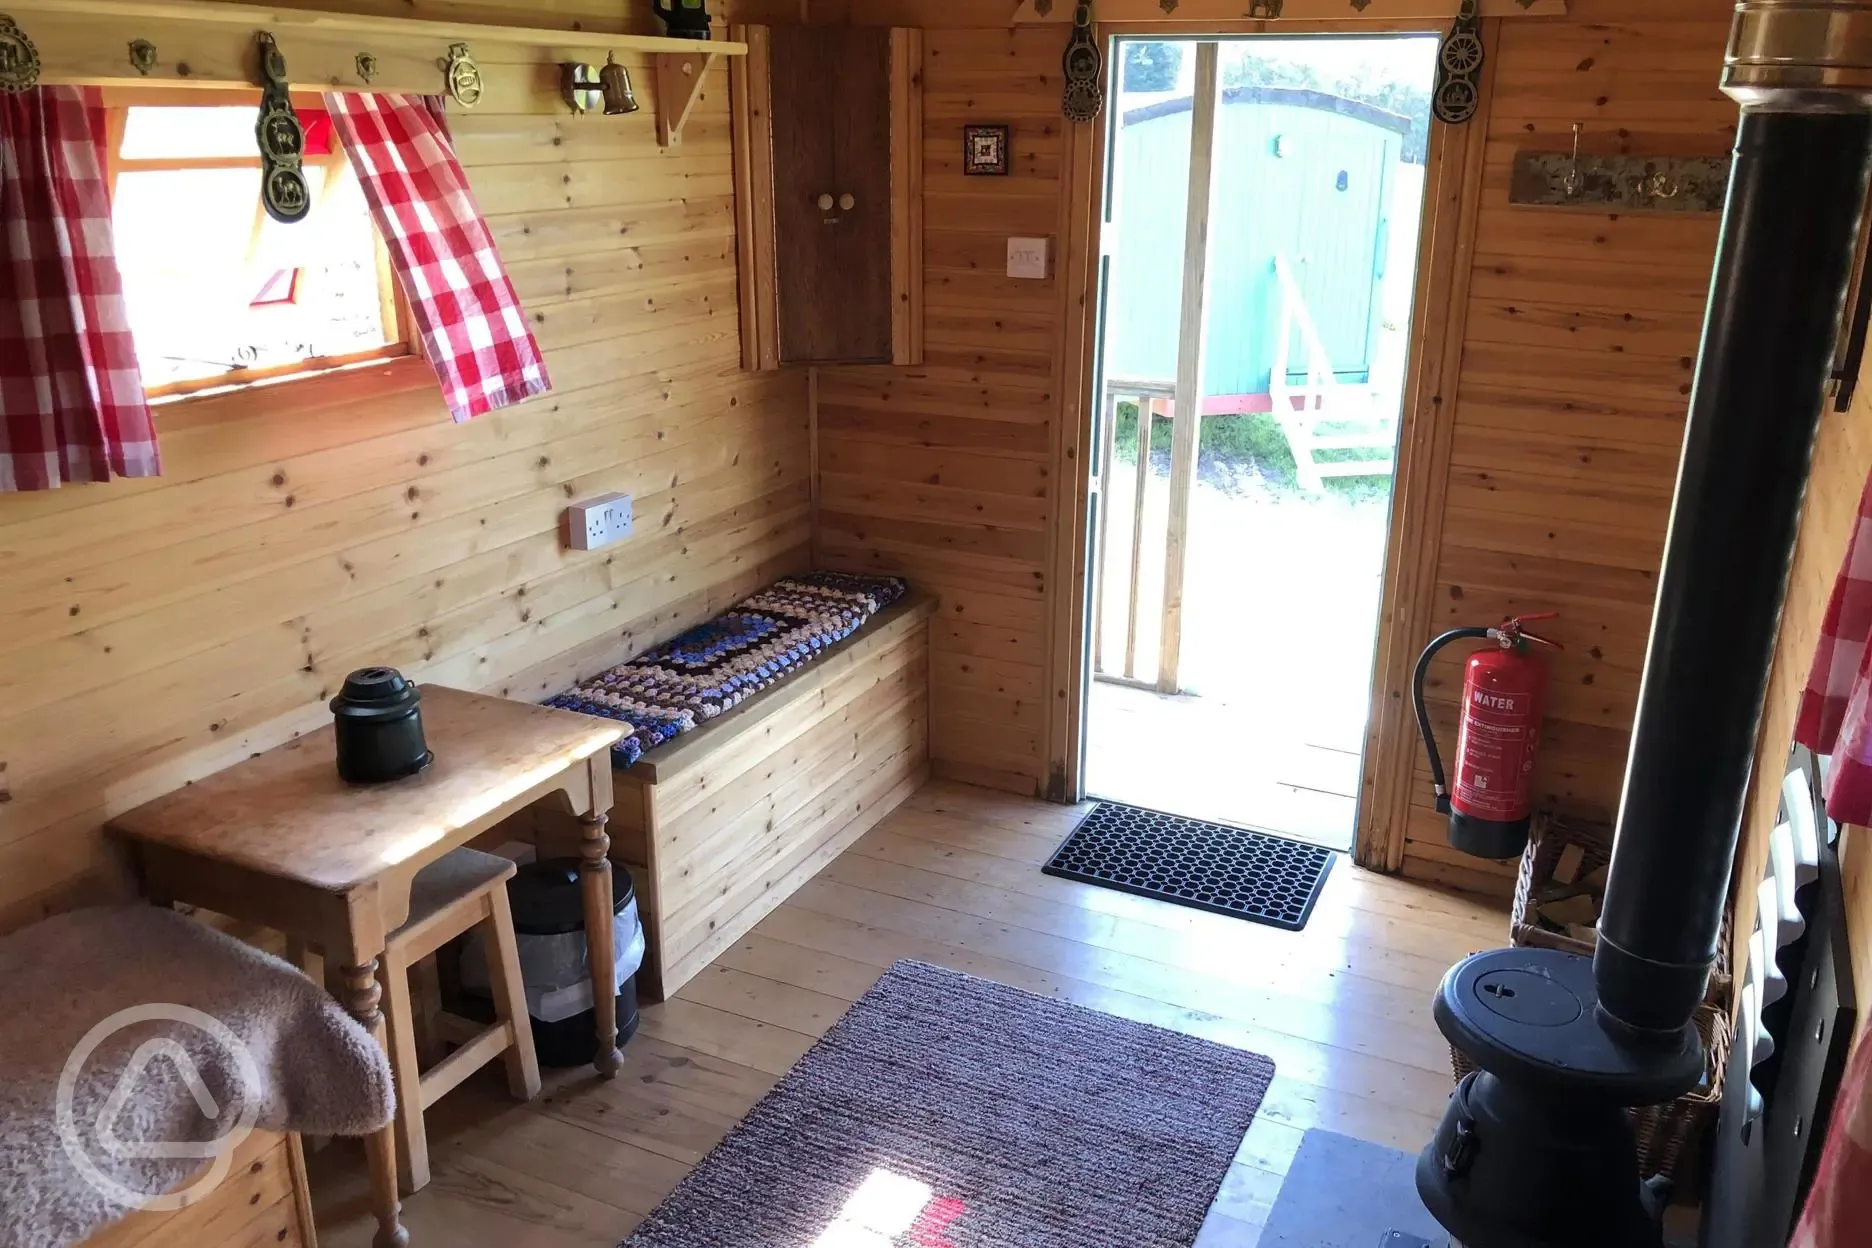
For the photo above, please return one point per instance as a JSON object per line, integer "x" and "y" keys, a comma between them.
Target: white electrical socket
{"x": 599, "y": 521}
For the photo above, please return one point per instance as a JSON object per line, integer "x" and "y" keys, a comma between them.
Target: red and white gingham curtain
{"x": 1836, "y": 706}
{"x": 71, "y": 398}
{"x": 1839, "y": 1206}
{"x": 472, "y": 326}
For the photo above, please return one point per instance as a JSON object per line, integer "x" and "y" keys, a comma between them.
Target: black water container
{"x": 547, "y": 900}
{"x": 377, "y": 719}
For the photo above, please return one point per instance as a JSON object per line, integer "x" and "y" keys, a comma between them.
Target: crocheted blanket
{"x": 694, "y": 677}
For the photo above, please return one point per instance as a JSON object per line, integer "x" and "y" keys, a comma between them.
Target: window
{"x": 218, "y": 292}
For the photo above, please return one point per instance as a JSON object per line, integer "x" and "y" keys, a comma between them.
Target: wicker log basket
{"x": 1669, "y": 1136}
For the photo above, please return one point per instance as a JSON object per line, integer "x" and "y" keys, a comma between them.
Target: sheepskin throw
{"x": 761, "y": 640}
{"x": 153, "y": 1086}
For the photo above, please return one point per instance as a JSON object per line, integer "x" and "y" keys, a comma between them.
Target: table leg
{"x": 595, "y": 870}
{"x": 363, "y": 997}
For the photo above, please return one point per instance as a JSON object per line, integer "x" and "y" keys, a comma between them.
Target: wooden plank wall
{"x": 1581, "y": 333}
{"x": 153, "y": 631}
{"x": 941, "y": 471}
{"x": 1842, "y": 460}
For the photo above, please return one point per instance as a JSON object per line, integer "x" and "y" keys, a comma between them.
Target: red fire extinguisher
{"x": 1504, "y": 690}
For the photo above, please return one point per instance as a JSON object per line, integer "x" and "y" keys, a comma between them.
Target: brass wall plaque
{"x": 463, "y": 75}
{"x": 1622, "y": 183}
{"x": 19, "y": 59}
{"x": 1083, "y": 68}
{"x": 283, "y": 189}
{"x": 1459, "y": 66}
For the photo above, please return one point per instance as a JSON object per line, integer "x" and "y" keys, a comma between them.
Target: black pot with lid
{"x": 377, "y": 718}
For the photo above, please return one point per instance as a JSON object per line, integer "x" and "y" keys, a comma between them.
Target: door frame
{"x": 1452, "y": 194}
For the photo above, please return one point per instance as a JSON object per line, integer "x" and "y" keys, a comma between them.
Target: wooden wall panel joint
{"x": 1453, "y": 195}
{"x": 906, "y": 190}
{"x": 1068, "y": 662}
{"x": 752, "y": 141}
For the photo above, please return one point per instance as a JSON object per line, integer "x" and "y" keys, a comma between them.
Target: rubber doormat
{"x": 1208, "y": 866}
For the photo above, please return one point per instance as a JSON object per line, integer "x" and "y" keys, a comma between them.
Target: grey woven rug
{"x": 944, "y": 1111}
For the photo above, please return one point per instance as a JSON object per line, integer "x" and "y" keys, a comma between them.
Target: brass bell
{"x": 618, "y": 96}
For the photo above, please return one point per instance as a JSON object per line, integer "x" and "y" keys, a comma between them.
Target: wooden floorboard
{"x": 952, "y": 878}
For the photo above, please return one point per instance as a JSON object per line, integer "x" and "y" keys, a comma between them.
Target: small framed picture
{"x": 985, "y": 151}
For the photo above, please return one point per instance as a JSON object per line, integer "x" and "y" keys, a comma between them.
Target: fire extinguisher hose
{"x": 1423, "y": 713}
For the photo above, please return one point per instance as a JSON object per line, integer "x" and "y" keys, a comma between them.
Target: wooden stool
{"x": 447, "y": 898}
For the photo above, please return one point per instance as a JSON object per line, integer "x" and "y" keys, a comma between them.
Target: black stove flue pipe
{"x": 1802, "y": 73}
{"x": 1781, "y": 274}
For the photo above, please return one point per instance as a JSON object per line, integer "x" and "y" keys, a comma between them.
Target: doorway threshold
{"x": 1219, "y": 761}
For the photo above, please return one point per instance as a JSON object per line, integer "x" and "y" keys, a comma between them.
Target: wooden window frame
{"x": 394, "y": 304}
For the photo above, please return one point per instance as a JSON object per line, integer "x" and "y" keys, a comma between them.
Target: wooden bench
{"x": 720, "y": 825}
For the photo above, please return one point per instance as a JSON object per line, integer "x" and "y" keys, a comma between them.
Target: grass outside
{"x": 1252, "y": 446}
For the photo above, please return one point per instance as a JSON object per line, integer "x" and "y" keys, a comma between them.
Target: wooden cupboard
{"x": 828, "y": 173}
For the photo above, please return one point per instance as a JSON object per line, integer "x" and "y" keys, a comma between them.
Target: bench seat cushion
{"x": 683, "y": 683}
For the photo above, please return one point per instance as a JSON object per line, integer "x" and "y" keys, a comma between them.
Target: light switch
{"x": 1028, "y": 257}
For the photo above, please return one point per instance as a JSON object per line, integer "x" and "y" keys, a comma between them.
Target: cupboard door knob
{"x": 847, "y": 202}
{"x": 825, "y": 203}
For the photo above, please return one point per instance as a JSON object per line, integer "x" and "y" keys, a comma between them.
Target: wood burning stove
{"x": 1533, "y": 1150}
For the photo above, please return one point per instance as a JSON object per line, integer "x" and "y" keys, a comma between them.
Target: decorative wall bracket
{"x": 1620, "y": 183}
{"x": 679, "y": 78}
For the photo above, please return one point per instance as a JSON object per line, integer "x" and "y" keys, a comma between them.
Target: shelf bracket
{"x": 679, "y": 78}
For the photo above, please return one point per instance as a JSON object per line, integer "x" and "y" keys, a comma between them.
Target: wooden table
{"x": 281, "y": 841}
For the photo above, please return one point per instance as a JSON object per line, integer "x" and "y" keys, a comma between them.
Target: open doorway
{"x": 1262, "y": 207}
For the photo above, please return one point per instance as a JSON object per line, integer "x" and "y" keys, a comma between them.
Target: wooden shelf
{"x": 287, "y": 22}
{"x": 211, "y": 44}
